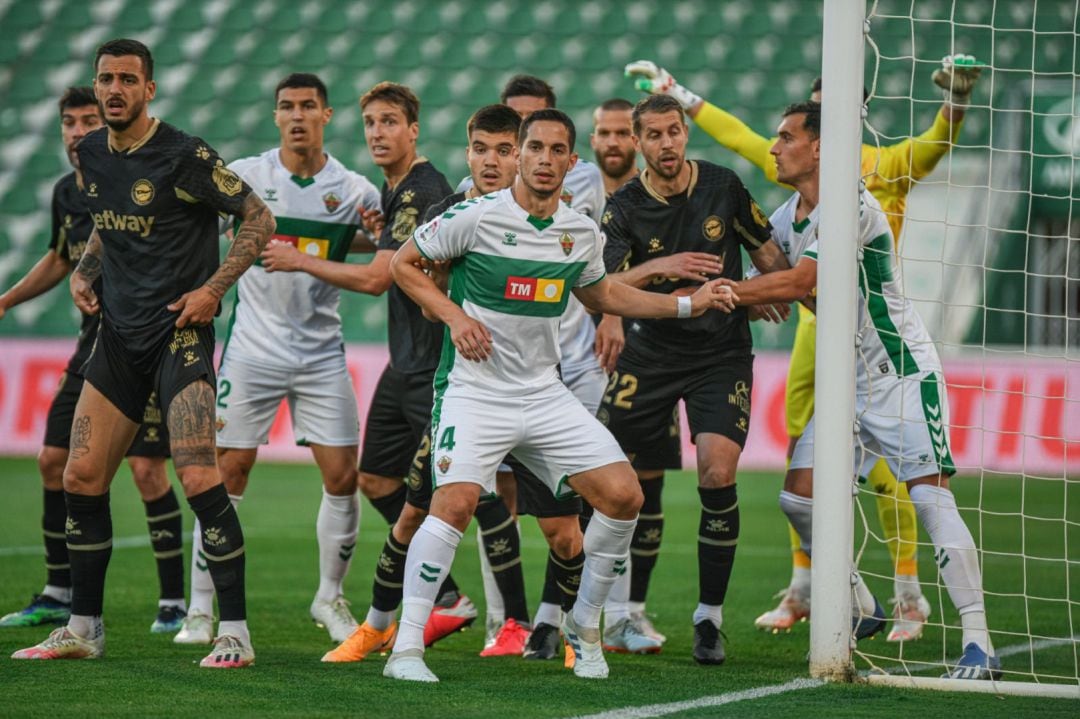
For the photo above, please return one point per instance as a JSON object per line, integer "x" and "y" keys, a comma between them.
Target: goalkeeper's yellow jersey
{"x": 888, "y": 171}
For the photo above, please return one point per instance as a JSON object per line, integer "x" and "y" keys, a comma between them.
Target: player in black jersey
{"x": 699, "y": 215}
{"x": 71, "y": 226}
{"x": 154, "y": 194}
{"x": 401, "y": 405}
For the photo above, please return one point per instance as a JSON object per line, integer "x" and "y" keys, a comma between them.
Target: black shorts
{"x": 399, "y": 412}
{"x": 186, "y": 356}
{"x": 535, "y": 498}
{"x": 641, "y": 398}
{"x": 152, "y": 440}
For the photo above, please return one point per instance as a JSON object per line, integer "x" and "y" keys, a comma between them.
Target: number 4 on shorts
{"x": 446, "y": 441}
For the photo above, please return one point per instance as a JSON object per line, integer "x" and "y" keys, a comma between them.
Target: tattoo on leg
{"x": 191, "y": 426}
{"x": 80, "y": 437}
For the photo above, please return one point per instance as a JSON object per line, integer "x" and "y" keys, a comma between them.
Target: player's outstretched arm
{"x": 789, "y": 285}
{"x": 42, "y": 277}
{"x": 372, "y": 278}
{"x": 696, "y": 266}
{"x": 86, "y": 274}
{"x": 199, "y": 306}
{"x": 470, "y": 338}
{"x": 615, "y": 298}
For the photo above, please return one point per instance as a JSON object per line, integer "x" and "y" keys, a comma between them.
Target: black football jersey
{"x": 440, "y": 207}
{"x": 415, "y": 343}
{"x": 717, "y": 215}
{"x": 71, "y": 226}
{"x": 156, "y": 207}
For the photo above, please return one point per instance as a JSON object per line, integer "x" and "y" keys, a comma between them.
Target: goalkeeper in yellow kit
{"x": 888, "y": 173}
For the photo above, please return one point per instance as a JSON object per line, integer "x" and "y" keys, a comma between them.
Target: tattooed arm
{"x": 86, "y": 273}
{"x": 199, "y": 306}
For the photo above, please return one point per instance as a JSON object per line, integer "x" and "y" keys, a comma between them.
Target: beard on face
{"x": 625, "y": 162}
{"x": 119, "y": 125}
{"x": 662, "y": 172}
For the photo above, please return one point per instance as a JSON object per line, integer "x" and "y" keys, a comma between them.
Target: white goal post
{"x": 1022, "y": 137}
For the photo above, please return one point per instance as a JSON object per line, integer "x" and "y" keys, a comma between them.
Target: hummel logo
{"x": 618, "y": 568}
{"x": 510, "y": 238}
{"x": 941, "y": 558}
{"x": 346, "y": 551}
{"x": 429, "y": 573}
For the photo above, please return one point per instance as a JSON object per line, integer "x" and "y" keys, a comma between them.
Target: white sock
{"x": 956, "y": 557}
{"x": 202, "y": 586}
{"x": 238, "y": 629}
{"x": 607, "y": 551}
{"x": 60, "y": 594}
{"x": 863, "y": 600}
{"x": 336, "y": 527}
{"x": 379, "y": 619}
{"x": 907, "y": 586}
{"x": 430, "y": 556}
{"x": 635, "y": 607}
{"x": 173, "y": 603}
{"x": 617, "y": 606}
{"x": 800, "y": 581}
{"x": 493, "y": 598}
{"x": 548, "y": 613}
{"x": 712, "y": 612}
{"x": 86, "y": 627}
{"x": 800, "y": 512}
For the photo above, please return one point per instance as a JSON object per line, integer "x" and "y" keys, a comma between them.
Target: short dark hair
{"x": 528, "y": 86}
{"x": 549, "y": 114}
{"x": 658, "y": 104}
{"x": 395, "y": 94}
{"x": 126, "y": 46}
{"x": 816, "y": 87}
{"x": 812, "y": 111}
{"x": 304, "y": 79}
{"x": 78, "y": 96}
{"x": 616, "y": 103}
{"x": 494, "y": 119}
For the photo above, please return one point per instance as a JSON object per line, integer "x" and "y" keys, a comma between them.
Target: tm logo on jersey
{"x": 308, "y": 245}
{"x": 534, "y": 289}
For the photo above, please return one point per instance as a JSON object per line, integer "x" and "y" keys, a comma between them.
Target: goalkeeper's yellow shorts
{"x": 799, "y": 396}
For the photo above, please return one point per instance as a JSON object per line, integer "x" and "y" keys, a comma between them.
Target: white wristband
{"x": 685, "y": 307}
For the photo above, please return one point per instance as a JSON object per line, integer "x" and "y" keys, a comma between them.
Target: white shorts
{"x": 321, "y": 398}
{"x": 587, "y": 382}
{"x": 551, "y": 433}
{"x": 904, "y": 420}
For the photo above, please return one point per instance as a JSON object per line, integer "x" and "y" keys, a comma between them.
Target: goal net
{"x": 990, "y": 260}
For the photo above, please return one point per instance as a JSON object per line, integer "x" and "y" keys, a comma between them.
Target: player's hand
{"x": 956, "y": 77}
{"x": 82, "y": 292}
{"x": 282, "y": 257}
{"x": 373, "y": 221}
{"x": 715, "y": 295}
{"x": 610, "y": 341}
{"x": 471, "y": 338}
{"x": 777, "y": 313}
{"x": 655, "y": 80}
{"x": 696, "y": 266}
{"x": 196, "y": 308}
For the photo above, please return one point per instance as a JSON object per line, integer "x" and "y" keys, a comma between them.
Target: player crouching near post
{"x": 503, "y": 393}
{"x": 898, "y": 372}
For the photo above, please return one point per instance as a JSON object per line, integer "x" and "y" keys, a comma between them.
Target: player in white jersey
{"x": 498, "y": 389}
{"x": 900, "y": 400}
{"x": 284, "y": 341}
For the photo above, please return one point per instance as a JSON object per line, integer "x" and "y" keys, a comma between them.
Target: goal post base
{"x": 1020, "y": 689}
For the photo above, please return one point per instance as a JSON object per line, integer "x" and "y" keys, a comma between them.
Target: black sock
{"x": 89, "y": 543}
{"x": 502, "y": 544}
{"x": 391, "y": 505}
{"x": 718, "y": 535}
{"x": 166, "y": 535}
{"x": 223, "y": 547}
{"x": 585, "y": 516}
{"x": 57, "y": 566}
{"x": 645, "y": 546}
{"x": 389, "y": 576}
{"x": 562, "y": 580}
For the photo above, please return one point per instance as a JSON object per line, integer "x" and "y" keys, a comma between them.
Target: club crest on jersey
{"x": 567, "y": 196}
{"x": 331, "y": 201}
{"x": 533, "y": 289}
{"x": 226, "y": 181}
{"x": 444, "y": 464}
{"x": 220, "y": 423}
{"x": 404, "y": 224}
{"x": 567, "y": 244}
{"x": 712, "y": 228}
{"x": 142, "y": 192}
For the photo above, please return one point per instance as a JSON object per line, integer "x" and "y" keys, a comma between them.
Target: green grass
{"x": 147, "y": 675}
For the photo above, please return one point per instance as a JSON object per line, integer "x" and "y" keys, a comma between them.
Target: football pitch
{"x": 147, "y": 675}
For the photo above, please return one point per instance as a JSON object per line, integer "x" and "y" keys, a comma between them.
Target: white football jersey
{"x": 894, "y": 339}
{"x": 514, "y": 273}
{"x": 291, "y": 319}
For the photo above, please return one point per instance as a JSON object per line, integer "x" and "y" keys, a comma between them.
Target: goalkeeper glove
{"x": 956, "y": 77}
{"x": 658, "y": 81}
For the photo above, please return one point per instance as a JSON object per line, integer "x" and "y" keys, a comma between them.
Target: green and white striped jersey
{"x": 514, "y": 273}
{"x": 290, "y": 319}
{"x": 893, "y": 337}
